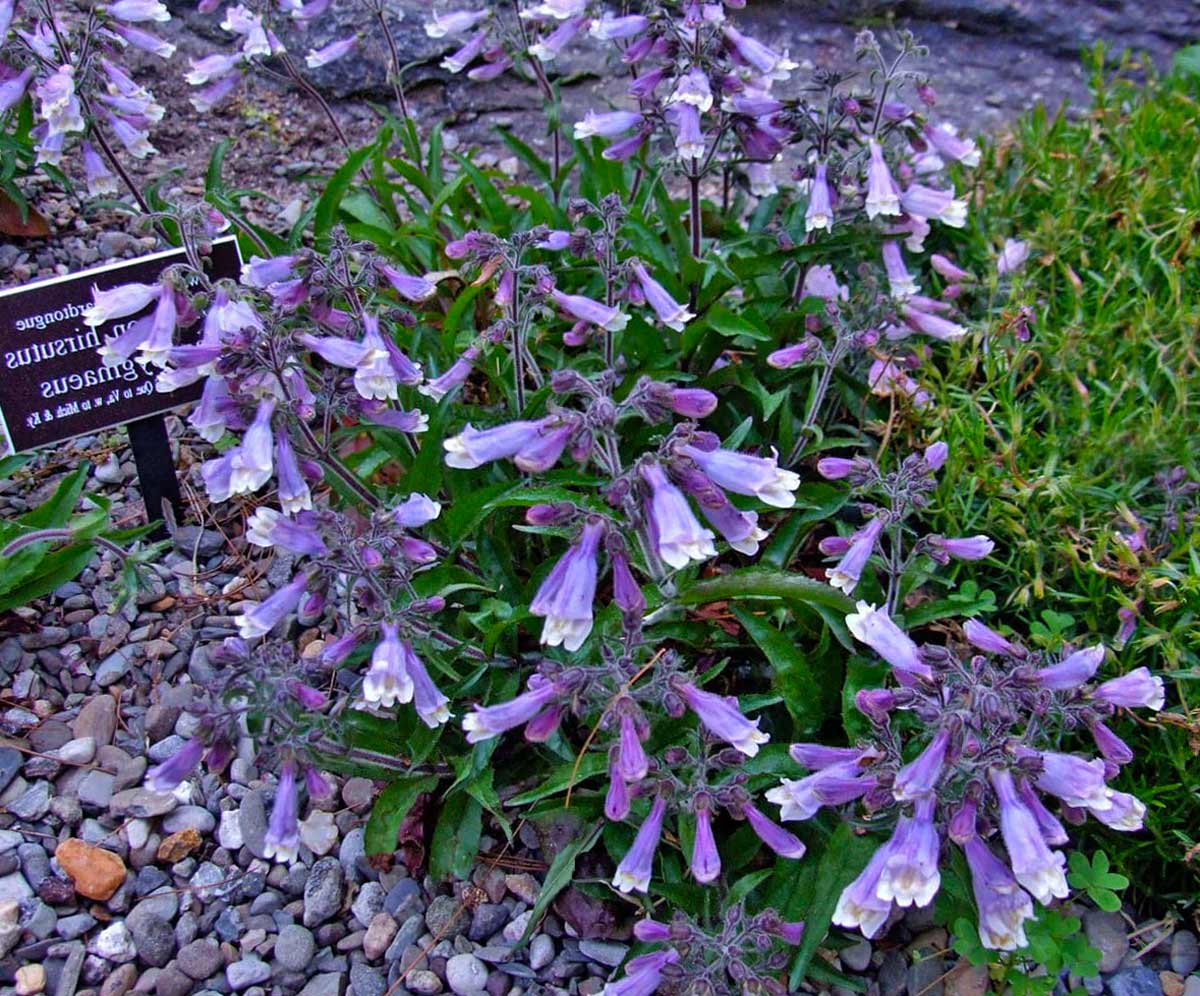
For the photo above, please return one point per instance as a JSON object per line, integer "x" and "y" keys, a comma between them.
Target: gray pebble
{"x": 1106, "y": 932}
{"x": 115, "y": 666}
{"x": 857, "y": 957}
{"x": 605, "y": 952}
{"x": 466, "y": 974}
{"x": 153, "y": 937}
{"x": 541, "y": 952}
{"x": 446, "y": 916}
{"x": 486, "y": 920}
{"x": 1138, "y": 981}
{"x": 368, "y": 902}
{"x": 171, "y": 981}
{"x": 246, "y": 973}
{"x": 252, "y": 821}
{"x": 1185, "y": 953}
{"x": 322, "y": 892}
{"x": 96, "y": 789}
{"x": 295, "y": 947}
{"x": 201, "y": 958}
{"x": 326, "y": 984}
{"x": 366, "y": 981}
{"x": 71, "y": 927}
{"x": 33, "y": 803}
{"x": 424, "y": 983}
{"x": 401, "y": 896}
{"x": 189, "y": 818}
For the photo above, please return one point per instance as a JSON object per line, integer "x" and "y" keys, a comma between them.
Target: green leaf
{"x": 456, "y": 838}
{"x": 335, "y": 189}
{"x": 388, "y": 813}
{"x": 54, "y": 512}
{"x": 562, "y": 871}
{"x": 802, "y": 692}
{"x": 562, "y": 777}
{"x": 755, "y": 582}
{"x": 1187, "y": 61}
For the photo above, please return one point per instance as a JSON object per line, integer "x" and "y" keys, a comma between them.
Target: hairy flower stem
{"x": 814, "y": 406}
{"x": 57, "y": 535}
{"x": 298, "y": 78}
{"x": 397, "y": 84}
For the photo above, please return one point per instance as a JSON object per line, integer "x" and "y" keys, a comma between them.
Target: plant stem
{"x": 312, "y": 91}
{"x": 397, "y": 85}
{"x": 518, "y": 340}
{"x": 814, "y": 406}
{"x": 694, "y": 212}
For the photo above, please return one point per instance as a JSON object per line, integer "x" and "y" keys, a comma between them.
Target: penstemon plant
{"x": 570, "y": 357}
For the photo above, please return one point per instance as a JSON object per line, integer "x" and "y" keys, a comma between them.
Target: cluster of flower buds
{"x": 627, "y": 694}
{"x": 258, "y": 682}
{"x": 746, "y": 954}
{"x": 650, "y": 495}
{"x": 893, "y": 498}
{"x": 72, "y": 63}
{"x": 976, "y": 766}
{"x": 697, "y": 80}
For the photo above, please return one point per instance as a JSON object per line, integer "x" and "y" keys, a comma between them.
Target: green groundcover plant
{"x": 647, "y": 458}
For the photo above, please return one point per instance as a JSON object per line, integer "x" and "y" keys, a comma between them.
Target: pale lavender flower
{"x": 135, "y": 11}
{"x": 804, "y": 351}
{"x": 542, "y": 726}
{"x": 632, "y": 761}
{"x": 1049, "y": 826}
{"x": 1003, "y": 905}
{"x": 1076, "y": 782}
{"x": 928, "y": 202}
{"x": 431, "y": 704}
{"x": 651, "y": 931}
{"x": 739, "y": 529}
{"x": 1124, "y": 813}
{"x": 1128, "y": 627}
{"x": 722, "y": 718}
{"x": 627, "y": 148}
{"x": 144, "y": 40}
{"x": 1036, "y": 867}
{"x": 1138, "y": 688}
{"x": 453, "y": 22}
{"x": 692, "y": 88}
{"x": 881, "y": 189}
{"x": 835, "y": 468}
{"x": 989, "y": 640}
{"x": 262, "y": 617}
{"x": 214, "y": 93}
{"x": 801, "y": 798}
{"x": 212, "y": 67}
{"x": 261, "y": 273}
{"x": 1012, "y": 257}
{"x": 251, "y": 463}
{"x": 637, "y": 867}
{"x": 875, "y": 628}
{"x": 208, "y": 418}
{"x": 643, "y": 974}
{"x": 455, "y": 376}
{"x": 706, "y": 859}
{"x": 934, "y": 326}
{"x": 550, "y": 47}
{"x": 387, "y": 680}
{"x": 294, "y": 494}
{"x": 416, "y": 510}
{"x": 910, "y": 875}
{"x": 610, "y": 27}
{"x": 786, "y": 845}
{"x": 816, "y": 757}
{"x": 768, "y": 63}
{"x": 920, "y": 776}
{"x": 318, "y": 57}
{"x": 626, "y": 592}
{"x": 486, "y": 722}
{"x": 949, "y": 146}
{"x": 947, "y": 269}
{"x": 965, "y": 547}
{"x": 677, "y": 536}
{"x": 689, "y": 138}
{"x": 100, "y": 179}
{"x": 1110, "y": 745}
{"x": 819, "y": 213}
{"x": 167, "y": 776}
{"x": 458, "y": 61}
{"x": 935, "y": 455}
{"x": 608, "y": 124}
{"x": 319, "y": 787}
{"x": 587, "y": 310}
{"x": 406, "y": 285}
{"x": 282, "y": 840}
{"x": 12, "y": 90}
{"x": 565, "y": 597}
{"x": 616, "y": 799}
{"x": 266, "y": 527}
{"x": 859, "y": 905}
{"x": 1072, "y": 671}
{"x": 900, "y": 281}
{"x": 669, "y": 311}
{"x": 845, "y": 576}
{"x": 743, "y": 474}
{"x": 692, "y": 402}
{"x": 474, "y": 447}
{"x": 118, "y": 302}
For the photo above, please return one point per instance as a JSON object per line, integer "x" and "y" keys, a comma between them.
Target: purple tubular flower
{"x": 566, "y": 595}
{"x": 1012, "y": 257}
{"x": 636, "y": 868}
{"x": 318, "y": 57}
{"x": 919, "y": 777}
{"x": 417, "y": 550}
{"x": 607, "y": 124}
{"x": 677, "y": 536}
{"x": 261, "y": 618}
{"x": 875, "y": 703}
{"x": 1052, "y": 831}
{"x": 550, "y": 47}
{"x": 875, "y": 628}
{"x": 319, "y": 787}
{"x": 669, "y": 311}
{"x": 966, "y": 547}
{"x": 453, "y": 22}
{"x": 431, "y": 705}
{"x": 722, "y": 718}
{"x": 166, "y": 777}
{"x": 587, "y": 310}
{"x": 541, "y": 728}
{"x": 387, "y": 680}
{"x": 626, "y": 592}
{"x": 13, "y": 89}
{"x": 820, "y": 203}
{"x": 910, "y": 875}
{"x": 1077, "y": 782}
{"x": 490, "y": 70}
{"x": 294, "y": 495}
{"x": 458, "y": 61}
{"x": 1110, "y": 745}
{"x": 790, "y": 356}
{"x": 416, "y": 510}
{"x": 817, "y": 757}
{"x": 988, "y": 640}
{"x": 881, "y": 188}
{"x": 1128, "y": 627}
{"x": 616, "y": 799}
{"x": 485, "y": 722}
{"x": 835, "y": 468}
{"x": 1124, "y": 813}
{"x": 928, "y": 202}
{"x": 307, "y": 696}
{"x": 1072, "y": 671}
{"x": 946, "y": 268}
{"x": 282, "y": 840}
{"x": 743, "y": 474}
{"x": 933, "y": 326}
{"x": 949, "y": 146}
{"x": 693, "y": 402}
{"x": 900, "y": 281}
{"x": 750, "y": 52}
{"x": 786, "y": 845}
{"x": 333, "y": 654}
{"x": 689, "y": 136}
{"x": 643, "y": 974}
{"x": 859, "y": 905}
{"x": 848, "y": 571}
{"x": 739, "y": 529}
{"x": 1137, "y": 689}
{"x": 610, "y": 27}
{"x": 261, "y": 273}
{"x": 706, "y": 859}
{"x": 1036, "y": 867}
{"x": 632, "y": 762}
{"x": 407, "y": 286}
{"x": 455, "y": 376}
{"x": 544, "y": 450}
{"x": 474, "y": 447}
{"x": 935, "y": 455}
{"x": 627, "y": 148}
{"x": 118, "y": 302}
{"x": 651, "y": 931}
{"x": 1003, "y": 905}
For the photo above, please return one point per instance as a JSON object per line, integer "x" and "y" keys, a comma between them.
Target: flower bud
{"x": 372, "y": 559}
